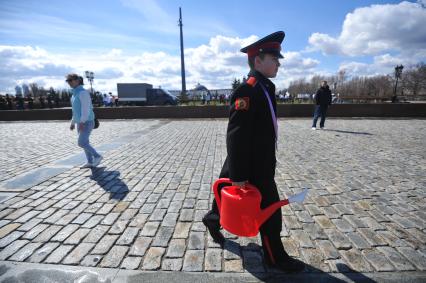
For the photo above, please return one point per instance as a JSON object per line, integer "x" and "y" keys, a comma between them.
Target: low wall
{"x": 284, "y": 110}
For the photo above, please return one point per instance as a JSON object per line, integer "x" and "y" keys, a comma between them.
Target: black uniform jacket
{"x": 250, "y": 139}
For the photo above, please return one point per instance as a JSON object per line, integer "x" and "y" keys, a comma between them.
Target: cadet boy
{"x": 251, "y": 146}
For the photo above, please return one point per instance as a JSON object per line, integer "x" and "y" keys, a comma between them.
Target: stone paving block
{"x": 196, "y": 241}
{"x": 131, "y": 263}
{"x": 110, "y": 218}
{"x": 65, "y": 232}
{"x": 327, "y": 249}
{"x": 93, "y": 221}
{"x": 378, "y": 260}
{"x": 140, "y": 246}
{"x": 176, "y": 248}
{"x": 182, "y": 230}
{"x": 358, "y": 241}
{"x": 356, "y": 261}
{"x": 314, "y": 231}
{"x": 28, "y": 216}
{"x": 186, "y": 215}
{"x": 324, "y": 222}
{"x": 77, "y": 236}
{"x": 372, "y": 238}
{"x": 152, "y": 259}
{"x": 3, "y": 222}
{"x": 235, "y": 265}
{"x": 91, "y": 260}
{"x": 396, "y": 259}
{"x": 415, "y": 257}
{"x": 67, "y": 219}
{"x": 96, "y": 234}
{"x": 193, "y": 260}
{"x": 128, "y": 236}
{"x": 118, "y": 227}
{"x": 170, "y": 220}
{"x": 57, "y": 255}
{"x": 25, "y": 252}
{"x": 150, "y": 228}
{"x": 78, "y": 253}
{"x": 114, "y": 256}
{"x": 104, "y": 244}
{"x": 342, "y": 225}
{"x": 6, "y": 230}
{"x": 82, "y": 218}
{"x": 172, "y": 264}
{"x": 128, "y": 214}
{"x": 213, "y": 260}
{"x": 17, "y": 213}
{"x": 355, "y": 221}
{"x": 338, "y": 239}
{"x": 315, "y": 260}
{"x": 162, "y": 237}
{"x": 302, "y": 238}
{"x": 158, "y": 214}
{"x": 46, "y": 212}
{"x": 12, "y": 248}
{"x": 40, "y": 254}
{"x": 47, "y": 234}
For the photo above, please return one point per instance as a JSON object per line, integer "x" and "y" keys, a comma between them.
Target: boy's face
{"x": 268, "y": 66}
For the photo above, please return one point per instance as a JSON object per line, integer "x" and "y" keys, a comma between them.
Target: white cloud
{"x": 375, "y": 29}
{"x": 215, "y": 65}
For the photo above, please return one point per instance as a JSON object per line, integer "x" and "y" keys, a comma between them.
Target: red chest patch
{"x": 251, "y": 81}
{"x": 242, "y": 103}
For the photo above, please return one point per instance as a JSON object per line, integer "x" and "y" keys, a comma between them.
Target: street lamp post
{"x": 398, "y": 73}
{"x": 90, "y": 76}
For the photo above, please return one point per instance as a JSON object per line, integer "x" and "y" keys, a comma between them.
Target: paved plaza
{"x": 364, "y": 218}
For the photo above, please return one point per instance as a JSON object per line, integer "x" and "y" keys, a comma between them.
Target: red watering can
{"x": 239, "y": 208}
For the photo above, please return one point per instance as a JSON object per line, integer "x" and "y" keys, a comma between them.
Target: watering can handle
{"x": 216, "y": 189}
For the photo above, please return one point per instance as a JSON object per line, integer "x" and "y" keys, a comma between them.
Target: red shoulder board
{"x": 251, "y": 81}
{"x": 242, "y": 103}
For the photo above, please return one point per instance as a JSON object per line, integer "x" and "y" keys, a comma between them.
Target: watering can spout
{"x": 267, "y": 212}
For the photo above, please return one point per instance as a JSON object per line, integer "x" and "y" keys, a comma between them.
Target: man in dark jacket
{"x": 323, "y": 100}
{"x": 251, "y": 147}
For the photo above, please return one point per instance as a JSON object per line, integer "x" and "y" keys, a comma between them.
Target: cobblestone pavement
{"x": 142, "y": 208}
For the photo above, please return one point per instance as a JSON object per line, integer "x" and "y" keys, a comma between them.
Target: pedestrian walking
{"x": 251, "y": 147}
{"x": 322, "y": 101}
{"x": 83, "y": 116}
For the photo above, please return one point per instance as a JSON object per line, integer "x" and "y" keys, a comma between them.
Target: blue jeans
{"x": 320, "y": 110}
{"x": 83, "y": 141}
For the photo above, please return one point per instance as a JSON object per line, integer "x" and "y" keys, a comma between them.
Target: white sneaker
{"x": 87, "y": 165}
{"x": 313, "y": 128}
{"x": 97, "y": 160}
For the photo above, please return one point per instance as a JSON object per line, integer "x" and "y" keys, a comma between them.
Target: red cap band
{"x": 255, "y": 50}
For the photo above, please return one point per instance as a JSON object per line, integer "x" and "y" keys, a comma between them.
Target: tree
{"x": 235, "y": 84}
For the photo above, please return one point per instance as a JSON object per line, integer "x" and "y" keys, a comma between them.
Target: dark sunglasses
{"x": 69, "y": 80}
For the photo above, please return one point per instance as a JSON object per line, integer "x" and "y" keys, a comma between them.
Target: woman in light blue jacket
{"x": 83, "y": 116}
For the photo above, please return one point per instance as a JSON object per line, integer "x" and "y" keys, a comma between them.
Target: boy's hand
{"x": 72, "y": 127}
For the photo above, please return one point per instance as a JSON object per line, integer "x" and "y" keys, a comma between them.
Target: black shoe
{"x": 212, "y": 223}
{"x": 289, "y": 265}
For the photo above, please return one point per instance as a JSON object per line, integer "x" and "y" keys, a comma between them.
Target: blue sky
{"x": 138, "y": 41}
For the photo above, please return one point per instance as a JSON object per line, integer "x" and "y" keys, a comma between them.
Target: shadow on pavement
{"x": 110, "y": 181}
{"x": 254, "y": 264}
{"x": 348, "y": 132}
